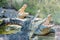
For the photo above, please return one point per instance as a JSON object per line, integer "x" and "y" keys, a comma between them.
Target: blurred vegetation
{"x": 2, "y": 3}
{"x": 46, "y": 7}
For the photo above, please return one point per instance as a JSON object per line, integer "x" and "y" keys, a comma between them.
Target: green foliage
{"x": 2, "y": 3}
{"x": 50, "y": 7}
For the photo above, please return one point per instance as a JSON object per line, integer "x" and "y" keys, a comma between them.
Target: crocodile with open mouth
{"x": 28, "y": 26}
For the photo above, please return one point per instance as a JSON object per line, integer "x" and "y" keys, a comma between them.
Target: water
{"x": 5, "y": 37}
